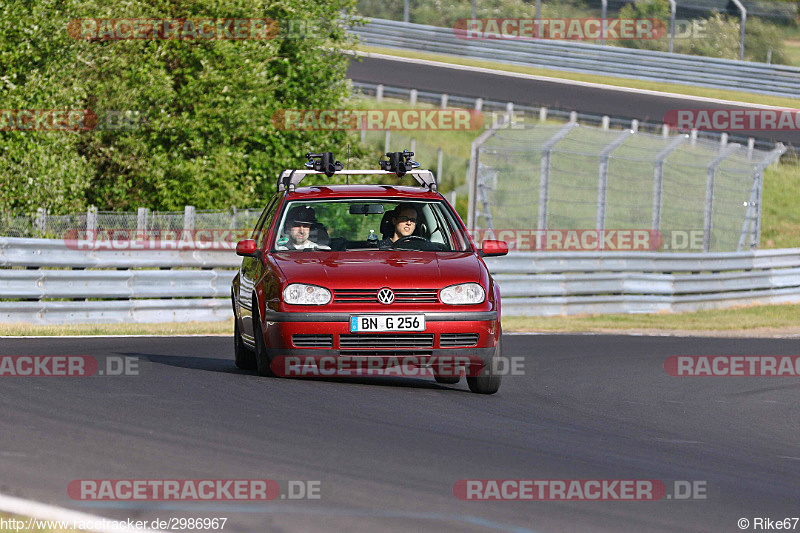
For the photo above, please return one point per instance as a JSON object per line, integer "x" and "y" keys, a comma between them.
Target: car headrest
{"x": 319, "y": 234}
{"x": 386, "y": 228}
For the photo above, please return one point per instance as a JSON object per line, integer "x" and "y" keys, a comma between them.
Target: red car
{"x": 382, "y": 274}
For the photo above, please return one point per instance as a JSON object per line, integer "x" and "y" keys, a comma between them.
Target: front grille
{"x": 400, "y": 295}
{"x": 313, "y": 341}
{"x": 449, "y": 340}
{"x": 417, "y": 355}
{"x": 424, "y": 340}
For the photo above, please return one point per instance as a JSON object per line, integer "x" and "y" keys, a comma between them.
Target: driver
{"x": 298, "y": 225}
{"x": 404, "y": 222}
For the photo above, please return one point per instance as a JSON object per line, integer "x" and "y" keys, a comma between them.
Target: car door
{"x": 251, "y": 270}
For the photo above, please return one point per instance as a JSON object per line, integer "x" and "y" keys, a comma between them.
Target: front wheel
{"x": 263, "y": 367}
{"x": 487, "y": 382}
{"x": 244, "y": 358}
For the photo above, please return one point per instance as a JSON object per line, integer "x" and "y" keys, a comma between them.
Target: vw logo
{"x": 385, "y": 296}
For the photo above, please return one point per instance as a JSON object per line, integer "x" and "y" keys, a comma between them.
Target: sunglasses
{"x": 404, "y": 218}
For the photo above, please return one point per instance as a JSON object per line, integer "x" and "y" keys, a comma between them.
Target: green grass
{"x": 793, "y": 51}
{"x": 735, "y": 96}
{"x": 188, "y": 328}
{"x": 764, "y": 319}
{"x": 780, "y": 216}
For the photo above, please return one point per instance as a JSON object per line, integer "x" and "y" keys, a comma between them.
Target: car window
{"x": 263, "y": 224}
{"x": 369, "y": 223}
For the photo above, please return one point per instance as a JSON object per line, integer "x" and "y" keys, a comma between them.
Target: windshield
{"x": 369, "y": 224}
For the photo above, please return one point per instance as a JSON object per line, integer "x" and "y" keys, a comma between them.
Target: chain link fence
{"x": 558, "y": 177}
{"x": 43, "y": 225}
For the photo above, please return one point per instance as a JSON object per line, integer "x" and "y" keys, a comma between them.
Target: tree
{"x": 194, "y": 114}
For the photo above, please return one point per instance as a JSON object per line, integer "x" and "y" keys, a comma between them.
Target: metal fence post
{"x": 658, "y": 178}
{"x": 604, "y": 24}
{"x": 749, "y": 216}
{"x": 412, "y": 97}
{"x": 773, "y": 157}
{"x": 41, "y": 220}
{"x": 188, "y": 217}
{"x": 544, "y": 176}
{"x": 673, "y": 6}
{"x": 439, "y": 161}
{"x": 91, "y": 219}
{"x": 472, "y": 171}
{"x": 387, "y": 140}
{"x": 743, "y": 11}
{"x": 141, "y": 219}
{"x": 444, "y": 101}
{"x": 602, "y": 182}
{"x": 379, "y": 93}
{"x": 711, "y": 172}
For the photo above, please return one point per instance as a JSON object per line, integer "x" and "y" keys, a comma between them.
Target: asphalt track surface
{"x": 389, "y": 450}
{"x": 552, "y": 94}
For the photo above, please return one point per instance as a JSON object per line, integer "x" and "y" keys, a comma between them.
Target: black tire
{"x": 486, "y": 382}
{"x": 447, "y": 380}
{"x": 242, "y": 356}
{"x": 263, "y": 367}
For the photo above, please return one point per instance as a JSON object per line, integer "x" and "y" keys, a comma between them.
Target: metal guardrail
{"x": 569, "y": 283}
{"x": 112, "y": 286}
{"x": 534, "y": 283}
{"x": 761, "y": 78}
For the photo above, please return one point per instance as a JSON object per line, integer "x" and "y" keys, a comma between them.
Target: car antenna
{"x": 347, "y": 176}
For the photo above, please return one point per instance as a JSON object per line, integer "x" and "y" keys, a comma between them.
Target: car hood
{"x": 376, "y": 269}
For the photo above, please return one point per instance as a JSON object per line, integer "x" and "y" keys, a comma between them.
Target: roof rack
{"x": 399, "y": 164}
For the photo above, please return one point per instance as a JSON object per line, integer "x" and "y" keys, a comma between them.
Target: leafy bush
{"x": 203, "y": 134}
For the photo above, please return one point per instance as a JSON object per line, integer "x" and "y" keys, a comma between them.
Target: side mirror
{"x": 494, "y": 248}
{"x": 247, "y": 248}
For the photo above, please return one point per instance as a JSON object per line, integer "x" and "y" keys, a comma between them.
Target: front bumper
{"x": 282, "y": 330}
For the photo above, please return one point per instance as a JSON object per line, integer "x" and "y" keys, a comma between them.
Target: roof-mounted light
{"x": 324, "y": 162}
{"x": 399, "y": 162}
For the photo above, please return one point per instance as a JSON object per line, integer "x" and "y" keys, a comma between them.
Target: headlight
{"x": 300, "y": 294}
{"x": 465, "y": 293}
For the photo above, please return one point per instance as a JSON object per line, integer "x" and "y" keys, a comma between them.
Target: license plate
{"x": 364, "y": 323}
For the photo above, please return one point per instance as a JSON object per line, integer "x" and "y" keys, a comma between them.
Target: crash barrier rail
{"x": 54, "y": 283}
{"x": 570, "y": 283}
{"x": 761, "y": 78}
{"x": 45, "y": 282}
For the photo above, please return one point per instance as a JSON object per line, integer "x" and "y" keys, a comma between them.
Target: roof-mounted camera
{"x": 324, "y": 162}
{"x": 399, "y": 162}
